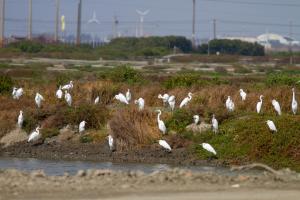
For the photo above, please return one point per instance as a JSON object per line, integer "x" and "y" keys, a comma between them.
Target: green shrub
{"x": 125, "y": 74}
{"x": 28, "y": 46}
{"x": 180, "y": 119}
{"x": 242, "y": 70}
{"x": 281, "y": 79}
{"x": 181, "y": 80}
{"x": 49, "y": 132}
{"x": 95, "y": 116}
{"x": 86, "y": 139}
{"x": 6, "y": 84}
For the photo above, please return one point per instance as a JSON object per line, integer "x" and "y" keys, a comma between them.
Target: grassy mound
{"x": 248, "y": 139}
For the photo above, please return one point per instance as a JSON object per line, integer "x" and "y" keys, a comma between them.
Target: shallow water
{"x": 54, "y": 167}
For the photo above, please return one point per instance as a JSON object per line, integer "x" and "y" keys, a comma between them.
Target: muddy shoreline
{"x": 130, "y": 185}
{"x": 101, "y": 153}
{"x": 99, "y": 184}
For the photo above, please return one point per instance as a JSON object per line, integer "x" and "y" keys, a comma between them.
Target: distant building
{"x": 270, "y": 41}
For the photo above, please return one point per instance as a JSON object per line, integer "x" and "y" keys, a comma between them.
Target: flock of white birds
{"x": 168, "y": 100}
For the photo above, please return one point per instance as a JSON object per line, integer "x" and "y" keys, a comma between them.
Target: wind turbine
{"x": 93, "y": 20}
{"x": 142, "y": 15}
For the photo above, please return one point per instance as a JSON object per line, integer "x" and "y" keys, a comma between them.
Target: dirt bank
{"x": 175, "y": 184}
{"x": 101, "y": 152}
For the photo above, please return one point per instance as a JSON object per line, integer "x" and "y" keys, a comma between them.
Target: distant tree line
{"x": 131, "y": 47}
{"x": 232, "y": 47}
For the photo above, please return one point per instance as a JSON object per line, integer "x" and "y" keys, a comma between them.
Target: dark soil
{"x": 101, "y": 153}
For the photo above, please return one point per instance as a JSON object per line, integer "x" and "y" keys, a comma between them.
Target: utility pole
{"x": 194, "y": 25}
{"x": 78, "y": 39}
{"x": 2, "y": 22}
{"x": 290, "y": 43}
{"x": 30, "y": 20}
{"x": 56, "y": 21}
{"x": 115, "y": 26}
{"x": 215, "y": 28}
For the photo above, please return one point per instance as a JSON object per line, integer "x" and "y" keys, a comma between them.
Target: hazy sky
{"x": 166, "y": 17}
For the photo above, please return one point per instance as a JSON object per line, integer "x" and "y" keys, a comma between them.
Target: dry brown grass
{"x": 134, "y": 129}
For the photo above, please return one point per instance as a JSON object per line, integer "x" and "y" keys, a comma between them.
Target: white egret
{"x": 231, "y": 106}
{"x": 172, "y": 102}
{"x": 82, "y": 126}
{"x": 196, "y": 119}
{"x": 59, "y": 93}
{"x": 228, "y": 102}
{"x": 17, "y": 93}
{"x": 141, "y": 103}
{"x": 14, "y": 92}
{"x": 97, "y": 100}
{"x": 128, "y": 95}
{"x": 209, "y": 148}
{"x": 121, "y": 98}
{"x": 111, "y": 142}
{"x": 68, "y": 98}
{"x": 276, "y": 106}
{"x": 186, "y": 100}
{"x": 20, "y": 119}
{"x": 259, "y": 104}
{"x": 161, "y": 124}
{"x": 35, "y": 135}
{"x": 215, "y": 124}
{"x": 68, "y": 86}
{"x": 38, "y": 99}
{"x": 165, "y": 145}
{"x": 164, "y": 98}
{"x": 294, "y": 103}
{"x": 243, "y": 94}
{"x": 271, "y": 125}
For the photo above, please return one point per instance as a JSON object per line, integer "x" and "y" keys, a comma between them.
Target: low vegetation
{"x": 243, "y": 136}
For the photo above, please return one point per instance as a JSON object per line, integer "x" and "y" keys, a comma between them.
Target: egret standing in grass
{"x": 68, "y": 98}
{"x": 141, "y": 103}
{"x": 38, "y": 99}
{"x": 68, "y": 86}
{"x": 209, "y": 148}
{"x": 17, "y": 93}
{"x": 97, "y": 100}
{"x": 165, "y": 145}
{"x": 243, "y": 94}
{"x": 161, "y": 124}
{"x": 164, "y": 98}
{"x": 215, "y": 124}
{"x": 294, "y": 103}
{"x": 259, "y": 104}
{"x": 186, "y": 100}
{"x": 271, "y": 125}
{"x": 229, "y": 104}
{"x": 128, "y": 95}
{"x": 20, "y": 119}
{"x": 110, "y": 142}
{"x": 196, "y": 119}
{"x": 59, "y": 93}
{"x": 276, "y": 106}
{"x": 171, "y": 102}
{"x": 121, "y": 98}
{"x": 35, "y": 135}
{"x": 82, "y": 126}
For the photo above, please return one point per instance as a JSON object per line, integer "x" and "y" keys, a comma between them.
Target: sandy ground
{"x": 175, "y": 184}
